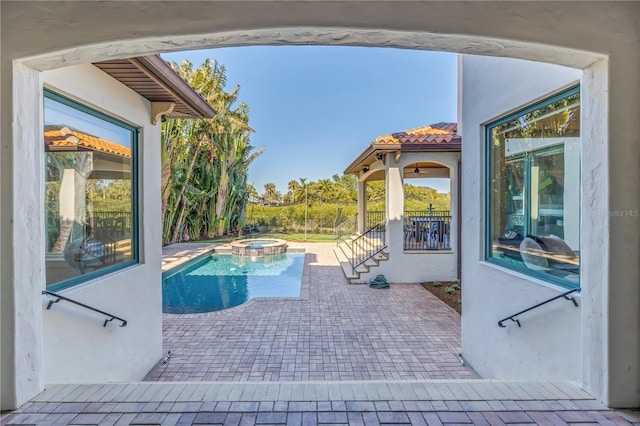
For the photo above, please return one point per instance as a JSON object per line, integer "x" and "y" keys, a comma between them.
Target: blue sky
{"x": 315, "y": 108}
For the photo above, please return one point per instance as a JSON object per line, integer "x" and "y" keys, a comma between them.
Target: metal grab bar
{"x": 60, "y": 297}
{"x": 563, "y": 295}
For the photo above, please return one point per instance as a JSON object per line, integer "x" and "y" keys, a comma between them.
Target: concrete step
{"x": 363, "y": 244}
{"x": 345, "y": 264}
{"x": 344, "y": 254}
{"x": 368, "y": 390}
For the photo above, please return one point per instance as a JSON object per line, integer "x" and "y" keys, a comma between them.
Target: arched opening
{"x": 498, "y": 40}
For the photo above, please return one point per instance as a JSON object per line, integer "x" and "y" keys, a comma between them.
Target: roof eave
{"x": 172, "y": 81}
{"x": 455, "y": 145}
{"x": 356, "y": 165}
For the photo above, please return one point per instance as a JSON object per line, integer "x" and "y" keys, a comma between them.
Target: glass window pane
{"x": 89, "y": 192}
{"x": 534, "y": 190}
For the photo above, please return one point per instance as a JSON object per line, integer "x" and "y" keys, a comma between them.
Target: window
{"x": 533, "y": 190}
{"x": 90, "y": 192}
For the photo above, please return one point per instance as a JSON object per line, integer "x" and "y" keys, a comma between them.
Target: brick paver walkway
{"x": 357, "y": 403}
{"x": 334, "y": 331}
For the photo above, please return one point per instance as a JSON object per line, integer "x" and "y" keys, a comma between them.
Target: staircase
{"x": 345, "y": 252}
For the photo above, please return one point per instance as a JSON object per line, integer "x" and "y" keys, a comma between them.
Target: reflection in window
{"x": 89, "y": 192}
{"x": 534, "y": 190}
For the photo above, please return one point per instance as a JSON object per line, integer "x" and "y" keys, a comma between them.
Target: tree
{"x": 293, "y": 186}
{"x": 205, "y": 162}
{"x": 325, "y": 191}
{"x": 253, "y": 192}
{"x": 271, "y": 195}
{"x": 302, "y": 188}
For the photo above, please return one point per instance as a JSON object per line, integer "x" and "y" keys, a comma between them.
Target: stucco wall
{"x": 76, "y": 346}
{"x": 407, "y": 266}
{"x": 549, "y": 344}
{"x": 602, "y": 38}
{"x": 414, "y": 267}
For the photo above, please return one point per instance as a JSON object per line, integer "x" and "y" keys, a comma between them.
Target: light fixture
{"x": 416, "y": 170}
{"x": 365, "y": 169}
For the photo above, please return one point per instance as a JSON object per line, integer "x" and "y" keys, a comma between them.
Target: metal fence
{"x": 374, "y": 218}
{"x": 111, "y": 225}
{"x": 427, "y": 230}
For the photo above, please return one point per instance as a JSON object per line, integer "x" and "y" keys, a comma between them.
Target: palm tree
{"x": 293, "y": 186}
{"x": 301, "y": 188}
{"x": 325, "y": 190}
{"x": 270, "y": 193}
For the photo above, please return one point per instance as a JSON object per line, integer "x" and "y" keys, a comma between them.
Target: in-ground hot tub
{"x": 258, "y": 247}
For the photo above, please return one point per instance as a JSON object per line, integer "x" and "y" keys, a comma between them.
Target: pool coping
{"x": 185, "y": 253}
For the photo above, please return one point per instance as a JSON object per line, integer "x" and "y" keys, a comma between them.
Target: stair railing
{"x": 345, "y": 228}
{"x": 368, "y": 245}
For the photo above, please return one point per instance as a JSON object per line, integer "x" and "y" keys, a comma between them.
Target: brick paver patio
{"x": 275, "y": 361}
{"x": 356, "y": 403}
{"x": 334, "y": 331}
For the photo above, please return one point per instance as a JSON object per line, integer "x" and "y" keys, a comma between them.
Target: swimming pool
{"x": 221, "y": 281}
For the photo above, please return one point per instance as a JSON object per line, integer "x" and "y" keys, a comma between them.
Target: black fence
{"x": 111, "y": 225}
{"x": 427, "y": 230}
{"x": 374, "y": 218}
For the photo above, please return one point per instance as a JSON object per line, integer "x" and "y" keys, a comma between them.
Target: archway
{"x": 490, "y": 29}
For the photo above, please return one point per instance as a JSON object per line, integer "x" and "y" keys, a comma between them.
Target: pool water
{"x": 222, "y": 281}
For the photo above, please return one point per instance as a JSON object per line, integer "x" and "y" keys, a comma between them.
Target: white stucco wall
{"x": 76, "y": 347}
{"x": 415, "y": 267}
{"x": 599, "y": 37}
{"x": 549, "y": 344}
{"x": 412, "y": 266}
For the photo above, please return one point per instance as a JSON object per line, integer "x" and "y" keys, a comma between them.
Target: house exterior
{"x": 99, "y": 186}
{"x": 405, "y": 246}
{"x": 597, "y": 40}
{"x": 527, "y": 174}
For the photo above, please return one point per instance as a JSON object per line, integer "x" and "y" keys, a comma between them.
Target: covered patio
{"x": 406, "y": 245}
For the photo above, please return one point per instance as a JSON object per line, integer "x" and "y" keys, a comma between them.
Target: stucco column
{"x": 362, "y": 204}
{"x": 610, "y": 219}
{"x": 453, "y": 206}
{"x": 394, "y": 196}
{"x": 22, "y": 241}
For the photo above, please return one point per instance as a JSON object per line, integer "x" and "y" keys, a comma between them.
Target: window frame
{"x": 487, "y": 197}
{"x": 135, "y": 211}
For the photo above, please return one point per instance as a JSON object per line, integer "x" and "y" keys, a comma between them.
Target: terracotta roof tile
{"x": 439, "y": 133}
{"x": 66, "y": 137}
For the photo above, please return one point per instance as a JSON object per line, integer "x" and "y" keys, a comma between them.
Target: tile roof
{"x": 57, "y": 138}
{"x": 438, "y": 137}
{"x": 439, "y": 133}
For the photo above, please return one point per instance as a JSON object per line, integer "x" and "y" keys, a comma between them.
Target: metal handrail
{"x": 564, "y": 295}
{"x": 347, "y": 227}
{"x": 60, "y": 297}
{"x": 359, "y": 254}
